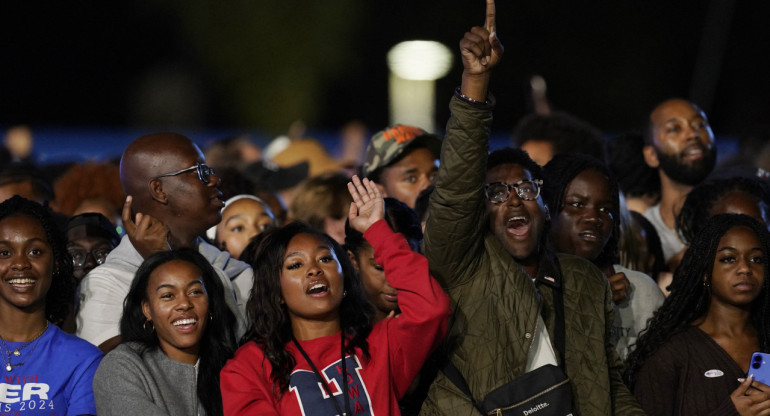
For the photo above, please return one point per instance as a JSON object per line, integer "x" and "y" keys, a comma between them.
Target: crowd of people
{"x": 566, "y": 274}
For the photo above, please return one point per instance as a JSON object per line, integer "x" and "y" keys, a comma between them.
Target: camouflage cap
{"x": 388, "y": 144}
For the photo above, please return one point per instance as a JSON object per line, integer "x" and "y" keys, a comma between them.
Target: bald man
{"x": 174, "y": 198}
{"x": 680, "y": 144}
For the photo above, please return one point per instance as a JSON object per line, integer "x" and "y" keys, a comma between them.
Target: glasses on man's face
{"x": 204, "y": 172}
{"x": 80, "y": 256}
{"x": 499, "y": 192}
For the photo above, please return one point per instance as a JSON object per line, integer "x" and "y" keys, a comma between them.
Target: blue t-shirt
{"x": 56, "y": 377}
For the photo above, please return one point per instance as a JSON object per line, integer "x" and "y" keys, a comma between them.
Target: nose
{"x": 314, "y": 270}
{"x": 693, "y": 132}
{"x": 513, "y": 199}
{"x": 425, "y": 182}
{"x": 594, "y": 215}
{"x": 90, "y": 261}
{"x": 214, "y": 180}
{"x": 745, "y": 266}
{"x": 184, "y": 303}
{"x": 20, "y": 262}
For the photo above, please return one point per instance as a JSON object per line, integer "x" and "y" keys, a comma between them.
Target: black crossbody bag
{"x": 545, "y": 391}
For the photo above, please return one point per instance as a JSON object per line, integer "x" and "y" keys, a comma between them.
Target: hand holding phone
{"x": 760, "y": 367}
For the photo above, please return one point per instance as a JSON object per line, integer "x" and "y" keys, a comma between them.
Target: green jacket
{"x": 496, "y": 304}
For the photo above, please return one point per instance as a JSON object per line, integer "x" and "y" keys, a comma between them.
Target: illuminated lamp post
{"x": 414, "y": 68}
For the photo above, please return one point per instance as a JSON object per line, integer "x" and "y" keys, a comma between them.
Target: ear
{"x": 156, "y": 191}
{"x": 650, "y": 156}
{"x": 146, "y": 310}
{"x": 382, "y": 189}
{"x": 353, "y": 260}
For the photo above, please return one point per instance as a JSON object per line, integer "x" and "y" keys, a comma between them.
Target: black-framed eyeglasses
{"x": 204, "y": 172}
{"x": 527, "y": 189}
{"x": 80, "y": 256}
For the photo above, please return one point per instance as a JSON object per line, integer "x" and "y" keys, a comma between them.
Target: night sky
{"x": 259, "y": 65}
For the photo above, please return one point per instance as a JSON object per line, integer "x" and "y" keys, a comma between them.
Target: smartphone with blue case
{"x": 760, "y": 367}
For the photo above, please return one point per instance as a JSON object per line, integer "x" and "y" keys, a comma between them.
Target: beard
{"x": 691, "y": 173}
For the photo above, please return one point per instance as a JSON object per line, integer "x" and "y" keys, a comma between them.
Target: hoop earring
{"x": 152, "y": 326}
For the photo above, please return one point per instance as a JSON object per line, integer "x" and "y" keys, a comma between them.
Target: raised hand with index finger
{"x": 481, "y": 51}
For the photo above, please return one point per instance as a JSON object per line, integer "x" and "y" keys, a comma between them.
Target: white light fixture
{"x": 420, "y": 60}
{"x": 414, "y": 66}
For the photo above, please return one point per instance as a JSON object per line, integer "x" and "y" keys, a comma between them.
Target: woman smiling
{"x": 45, "y": 371}
{"x": 177, "y": 334}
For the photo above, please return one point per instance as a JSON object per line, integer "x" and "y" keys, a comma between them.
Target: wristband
{"x": 467, "y": 99}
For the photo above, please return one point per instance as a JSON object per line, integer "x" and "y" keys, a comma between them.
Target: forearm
{"x": 457, "y": 221}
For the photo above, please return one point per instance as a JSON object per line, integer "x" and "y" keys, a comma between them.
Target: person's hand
{"x": 148, "y": 234}
{"x": 480, "y": 51}
{"x": 619, "y": 284}
{"x": 751, "y": 398}
{"x": 367, "y": 207}
{"x": 480, "y": 48}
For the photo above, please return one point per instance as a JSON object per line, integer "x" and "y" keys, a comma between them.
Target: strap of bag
{"x": 559, "y": 331}
{"x": 453, "y": 374}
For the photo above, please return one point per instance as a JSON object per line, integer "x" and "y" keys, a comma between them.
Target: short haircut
{"x": 565, "y": 132}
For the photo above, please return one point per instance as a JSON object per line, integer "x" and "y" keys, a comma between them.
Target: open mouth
{"x": 693, "y": 152}
{"x": 518, "y": 225}
{"x": 317, "y": 288}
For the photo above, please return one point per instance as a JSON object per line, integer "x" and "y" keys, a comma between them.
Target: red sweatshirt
{"x": 398, "y": 348}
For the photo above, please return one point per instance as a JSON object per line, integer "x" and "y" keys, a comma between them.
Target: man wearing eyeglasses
{"x": 484, "y": 240}
{"x": 174, "y": 198}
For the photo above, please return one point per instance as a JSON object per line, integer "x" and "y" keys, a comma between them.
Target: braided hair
{"x": 560, "y": 172}
{"x": 690, "y": 298}
{"x": 700, "y": 201}
{"x": 60, "y": 297}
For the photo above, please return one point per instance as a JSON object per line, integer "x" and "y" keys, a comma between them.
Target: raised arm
{"x": 454, "y": 234}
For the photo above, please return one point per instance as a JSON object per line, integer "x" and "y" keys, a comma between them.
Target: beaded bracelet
{"x": 467, "y": 99}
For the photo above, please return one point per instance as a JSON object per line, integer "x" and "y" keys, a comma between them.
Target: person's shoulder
{"x": 639, "y": 280}
{"x": 248, "y": 355}
{"x": 221, "y": 259}
{"x": 576, "y": 267}
{"x": 74, "y": 344}
{"x": 248, "y": 350}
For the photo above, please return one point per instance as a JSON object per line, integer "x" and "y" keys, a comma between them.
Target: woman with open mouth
{"x": 45, "y": 370}
{"x": 311, "y": 347}
{"x": 177, "y": 333}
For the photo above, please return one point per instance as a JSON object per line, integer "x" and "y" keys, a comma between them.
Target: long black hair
{"x": 269, "y": 321}
{"x": 60, "y": 297}
{"x": 690, "y": 298}
{"x": 218, "y": 341}
{"x": 560, "y": 171}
